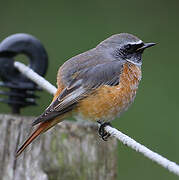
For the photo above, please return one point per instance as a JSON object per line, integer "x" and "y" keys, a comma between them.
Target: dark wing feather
{"x": 85, "y": 83}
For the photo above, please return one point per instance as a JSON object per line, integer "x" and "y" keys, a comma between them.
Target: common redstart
{"x": 97, "y": 85}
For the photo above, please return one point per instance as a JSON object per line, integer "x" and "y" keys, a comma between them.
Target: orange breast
{"x": 60, "y": 85}
{"x": 107, "y": 102}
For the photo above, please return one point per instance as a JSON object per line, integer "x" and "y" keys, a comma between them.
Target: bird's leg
{"x": 102, "y": 133}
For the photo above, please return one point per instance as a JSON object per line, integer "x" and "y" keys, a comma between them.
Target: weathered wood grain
{"x": 71, "y": 150}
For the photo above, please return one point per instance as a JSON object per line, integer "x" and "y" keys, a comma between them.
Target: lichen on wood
{"x": 70, "y": 150}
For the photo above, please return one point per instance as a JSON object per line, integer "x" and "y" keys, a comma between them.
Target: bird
{"x": 97, "y": 85}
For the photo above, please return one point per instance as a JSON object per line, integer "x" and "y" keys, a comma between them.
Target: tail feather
{"x": 41, "y": 128}
{"x": 44, "y": 126}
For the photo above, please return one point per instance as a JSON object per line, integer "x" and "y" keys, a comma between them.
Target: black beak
{"x": 146, "y": 45}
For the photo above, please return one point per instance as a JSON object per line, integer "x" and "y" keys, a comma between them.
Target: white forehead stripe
{"x": 138, "y": 42}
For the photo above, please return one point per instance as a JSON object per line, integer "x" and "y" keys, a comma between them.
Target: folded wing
{"x": 85, "y": 83}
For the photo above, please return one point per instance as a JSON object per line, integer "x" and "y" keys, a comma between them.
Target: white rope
{"x": 167, "y": 164}
{"x": 39, "y": 80}
{"x": 164, "y": 162}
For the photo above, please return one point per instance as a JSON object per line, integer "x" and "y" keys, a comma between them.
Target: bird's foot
{"x": 102, "y": 133}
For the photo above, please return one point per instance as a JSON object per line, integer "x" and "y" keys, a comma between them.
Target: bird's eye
{"x": 128, "y": 46}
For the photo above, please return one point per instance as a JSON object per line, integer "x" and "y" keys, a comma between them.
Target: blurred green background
{"x": 67, "y": 28}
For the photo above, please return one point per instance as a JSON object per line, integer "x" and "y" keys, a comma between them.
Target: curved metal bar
{"x": 21, "y": 88}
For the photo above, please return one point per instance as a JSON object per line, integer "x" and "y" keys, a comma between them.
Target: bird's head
{"x": 125, "y": 47}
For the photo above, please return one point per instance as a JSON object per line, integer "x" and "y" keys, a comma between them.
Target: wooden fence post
{"x": 69, "y": 151}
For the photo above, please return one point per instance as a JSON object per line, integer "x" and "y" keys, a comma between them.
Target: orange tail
{"x": 44, "y": 126}
{"x": 41, "y": 128}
